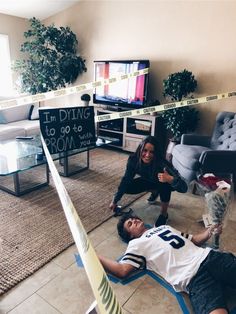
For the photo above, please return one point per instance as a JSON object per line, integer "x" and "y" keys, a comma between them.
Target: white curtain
{"x": 6, "y": 87}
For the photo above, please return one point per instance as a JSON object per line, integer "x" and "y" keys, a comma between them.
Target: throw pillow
{"x": 34, "y": 112}
{"x": 2, "y": 118}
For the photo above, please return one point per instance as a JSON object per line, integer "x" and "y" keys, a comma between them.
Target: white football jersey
{"x": 166, "y": 252}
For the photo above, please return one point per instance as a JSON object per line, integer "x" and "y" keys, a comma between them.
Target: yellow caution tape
{"x": 168, "y": 106}
{"x": 69, "y": 90}
{"x": 105, "y": 297}
{"x": 115, "y": 115}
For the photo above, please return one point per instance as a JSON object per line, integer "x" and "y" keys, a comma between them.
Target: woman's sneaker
{"x": 161, "y": 220}
{"x": 119, "y": 211}
{"x": 152, "y": 198}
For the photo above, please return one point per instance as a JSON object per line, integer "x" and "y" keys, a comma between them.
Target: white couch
{"x": 15, "y": 121}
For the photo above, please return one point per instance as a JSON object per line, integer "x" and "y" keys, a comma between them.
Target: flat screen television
{"x": 125, "y": 94}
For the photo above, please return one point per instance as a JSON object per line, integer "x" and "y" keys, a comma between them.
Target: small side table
{"x": 217, "y": 191}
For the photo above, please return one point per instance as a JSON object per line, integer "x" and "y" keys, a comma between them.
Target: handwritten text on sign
{"x": 67, "y": 128}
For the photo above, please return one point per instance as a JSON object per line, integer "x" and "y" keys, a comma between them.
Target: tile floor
{"x": 62, "y": 287}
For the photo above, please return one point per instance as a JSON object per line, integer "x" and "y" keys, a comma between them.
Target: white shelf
{"x": 130, "y": 138}
{"x": 132, "y": 135}
{"x": 109, "y": 130}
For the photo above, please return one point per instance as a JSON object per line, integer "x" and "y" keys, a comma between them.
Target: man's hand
{"x": 202, "y": 237}
{"x": 113, "y": 206}
{"x": 165, "y": 177}
{"x": 215, "y": 229}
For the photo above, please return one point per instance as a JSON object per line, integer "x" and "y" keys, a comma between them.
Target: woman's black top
{"x": 149, "y": 173}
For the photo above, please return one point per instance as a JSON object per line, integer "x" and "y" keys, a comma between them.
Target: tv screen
{"x": 129, "y": 93}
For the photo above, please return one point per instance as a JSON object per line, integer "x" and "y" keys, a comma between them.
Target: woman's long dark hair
{"x": 158, "y": 154}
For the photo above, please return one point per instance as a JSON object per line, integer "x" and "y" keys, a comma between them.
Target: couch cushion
{"x": 15, "y": 113}
{"x": 187, "y": 174}
{"x": 31, "y": 127}
{"x": 10, "y": 132}
{"x": 188, "y": 155}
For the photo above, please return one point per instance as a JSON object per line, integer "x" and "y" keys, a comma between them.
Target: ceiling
{"x": 40, "y": 9}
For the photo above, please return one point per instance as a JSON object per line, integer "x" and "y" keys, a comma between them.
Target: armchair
{"x": 198, "y": 154}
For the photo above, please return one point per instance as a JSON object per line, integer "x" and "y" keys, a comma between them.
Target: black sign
{"x": 68, "y": 128}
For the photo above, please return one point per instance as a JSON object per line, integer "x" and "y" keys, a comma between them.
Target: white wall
{"x": 196, "y": 35}
{"x": 13, "y": 27}
{"x": 173, "y": 35}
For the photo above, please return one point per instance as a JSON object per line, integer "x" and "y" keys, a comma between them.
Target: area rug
{"x": 33, "y": 228}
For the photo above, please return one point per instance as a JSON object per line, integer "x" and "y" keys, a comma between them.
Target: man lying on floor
{"x": 201, "y": 272}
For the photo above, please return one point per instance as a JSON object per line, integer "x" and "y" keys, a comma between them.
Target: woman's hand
{"x": 165, "y": 177}
{"x": 113, "y": 206}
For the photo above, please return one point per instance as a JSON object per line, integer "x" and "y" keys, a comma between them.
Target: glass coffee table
{"x": 18, "y": 162}
{"x": 23, "y": 167}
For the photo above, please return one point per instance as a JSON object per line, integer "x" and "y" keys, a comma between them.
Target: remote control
{"x": 24, "y": 137}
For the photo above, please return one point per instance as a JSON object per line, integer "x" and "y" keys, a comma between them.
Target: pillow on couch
{"x": 2, "y": 118}
{"x": 34, "y": 112}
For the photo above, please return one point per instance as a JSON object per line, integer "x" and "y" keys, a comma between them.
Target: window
{"x": 6, "y": 87}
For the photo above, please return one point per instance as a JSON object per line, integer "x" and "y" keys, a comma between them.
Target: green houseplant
{"x": 178, "y": 121}
{"x": 51, "y": 60}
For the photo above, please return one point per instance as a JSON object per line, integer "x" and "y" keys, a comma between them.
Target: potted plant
{"x": 51, "y": 60}
{"x": 85, "y": 99}
{"x": 178, "y": 86}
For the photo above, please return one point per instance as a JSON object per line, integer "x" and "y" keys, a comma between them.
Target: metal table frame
{"x": 63, "y": 161}
{"x": 17, "y": 190}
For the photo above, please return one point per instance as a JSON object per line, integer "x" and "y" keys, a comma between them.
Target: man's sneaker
{"x": 161, "y": 220}
{"x": 152, "y": 198}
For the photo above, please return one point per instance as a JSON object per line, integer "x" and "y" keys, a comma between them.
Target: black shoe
{"x": 161, "y": 220}
{"x": 119, "y": 211}
{"x": 152, "y": 198}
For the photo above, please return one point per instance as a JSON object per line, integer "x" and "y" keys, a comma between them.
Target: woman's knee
{"x": 165, "y": 195}
{"x": 136, "y": 186}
